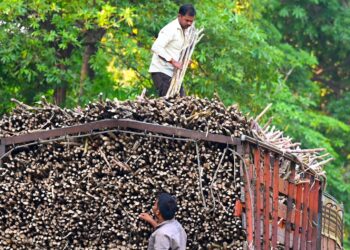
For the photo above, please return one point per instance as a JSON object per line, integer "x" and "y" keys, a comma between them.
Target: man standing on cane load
{"x": 167, "y": 48}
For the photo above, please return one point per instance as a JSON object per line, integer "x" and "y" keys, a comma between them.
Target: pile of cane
{"x": 87, "y": 190}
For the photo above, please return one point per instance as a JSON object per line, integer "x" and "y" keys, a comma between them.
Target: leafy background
{"x": 294, "y": 54}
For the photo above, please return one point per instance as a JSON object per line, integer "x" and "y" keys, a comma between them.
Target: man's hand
{"x": 145, "y": 216}
{"x": 176, "y": 64}
{"x": 149, "y": 219}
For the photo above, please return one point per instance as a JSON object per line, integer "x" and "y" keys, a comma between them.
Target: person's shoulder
{"x": 161, "y": 231}
{"x": 170, "y": 26}
{"x": 171, "y": 225}
{"x": 179, "y": 226}
{"x": 171, "y": 228}
{"x": 177, "y": 222}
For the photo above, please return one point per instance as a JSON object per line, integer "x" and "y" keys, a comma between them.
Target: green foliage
{"x": 294, "y": 54}
{"x": 338, "y": 106}
{"x": 43, "y": 44}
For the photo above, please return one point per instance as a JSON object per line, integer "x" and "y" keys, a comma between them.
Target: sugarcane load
{"x": 81, "y": 178}
{"x": 89, "y": 189}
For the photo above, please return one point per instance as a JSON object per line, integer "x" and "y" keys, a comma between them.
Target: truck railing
{"x": 286, "y": 208}
{"x": 332, "y": 223}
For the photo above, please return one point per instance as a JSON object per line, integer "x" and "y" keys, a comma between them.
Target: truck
{"x": 280, "y": 206}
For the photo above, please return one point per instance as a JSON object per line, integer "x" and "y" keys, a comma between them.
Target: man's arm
{"x": 159, "y": 46}
{"x": 149, "y": 219}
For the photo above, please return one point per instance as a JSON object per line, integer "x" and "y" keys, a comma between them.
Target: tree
{"x": 43, "y": 44}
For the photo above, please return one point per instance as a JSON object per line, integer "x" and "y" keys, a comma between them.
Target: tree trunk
{"x": 91, "y": 38}
{"x": 84, "y": 72}
{"x": 60, "y": 95}
{"x": 60, "y": 91}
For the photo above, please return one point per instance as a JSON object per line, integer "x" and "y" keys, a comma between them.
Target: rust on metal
{"x": 44, "y": 134}
{"x": 122, "y": 123}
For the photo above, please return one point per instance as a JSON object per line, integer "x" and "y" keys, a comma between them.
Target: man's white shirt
{"x": 169, "y": 44}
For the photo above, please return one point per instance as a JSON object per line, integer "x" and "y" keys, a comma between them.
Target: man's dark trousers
{"x": 162, "y": 83}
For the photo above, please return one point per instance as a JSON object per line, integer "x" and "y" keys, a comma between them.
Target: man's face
{"x": 155, "y": 209}
{"x": 185, "y": 21}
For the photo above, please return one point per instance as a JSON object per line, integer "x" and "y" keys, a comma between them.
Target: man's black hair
{"x": 167, "y": 206}
{"x": 187, "y": 9}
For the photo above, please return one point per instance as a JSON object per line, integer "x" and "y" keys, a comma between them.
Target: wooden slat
{"x": 289, "y": 207}
{"x": 282, "y": 237}
{"x": 283, "y": 186}
{"x": 258, "y": 204}
{"x": 310, "y": 226}
{"x": 267, "y": 181}
{"x": 314, "y": 214}
{"x": 305, "y": 215}
{"x": 275, "y": 201}
{"x": 282, "y": 211}
{"x": 297, "y": 217}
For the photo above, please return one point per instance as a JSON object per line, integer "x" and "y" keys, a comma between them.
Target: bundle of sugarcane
{"x": 86, "y": 191}
{"x": 312, "y": 159}
{"x": 204, "y": 115}
{"x": 193, "y": 37}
